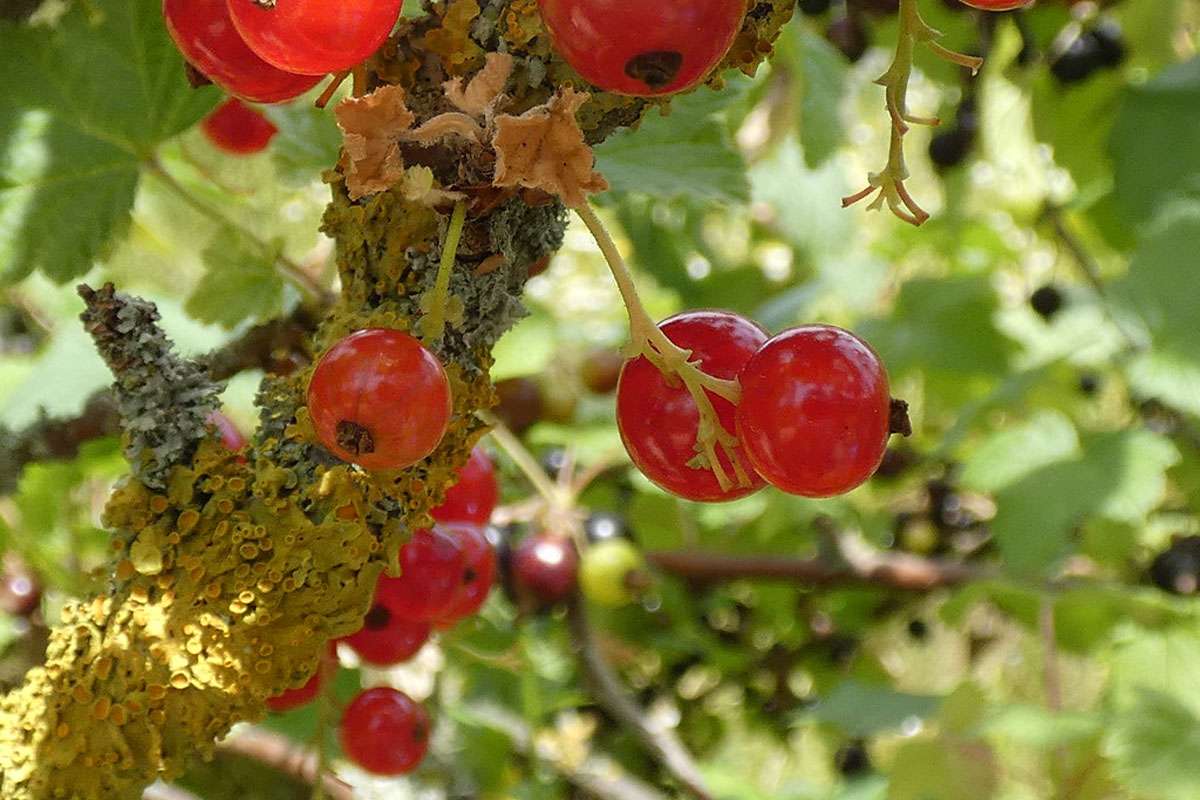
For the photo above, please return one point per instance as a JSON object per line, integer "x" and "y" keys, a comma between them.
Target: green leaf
{"x": 241, "y": 283}
{"x": 82, "y": 105}
{"x": 687, "y": 153}
{"x": 1076, "y": 121}
{"x": 821, "y": 87}
{"x": 860, "y": 709}
{"x": 308, "y": 141}
{"x": 1156, "y": 140}
{"x": 1038, "y": 727}
{"x": 1118, "y": 475}
{"x": 943, "y": 769}
{"x": 1155, "y": 747}
{"x": 1013, "y": 452}
{"x": 804, "y": 202}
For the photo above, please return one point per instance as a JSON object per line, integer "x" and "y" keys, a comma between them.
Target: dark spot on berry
{"x": 656, "y": 69}
{"x": 354, "y": 438}
{"x": 469, "y": 576}
{"x": 377, "y": 618}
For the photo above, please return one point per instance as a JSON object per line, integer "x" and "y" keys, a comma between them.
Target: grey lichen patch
{"x": 164, "y": 400}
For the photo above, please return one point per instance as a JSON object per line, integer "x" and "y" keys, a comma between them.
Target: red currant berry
{"x": 431, "y": 573}
{"x": 303, "y": 695}
{"x": 231, "y": 437}
{"x": 659, "y": 420}
{"x": 204, "y": 33}
{"x": 997, "y": 5}
{"x": 545, "y": 567}
{"x": 313, "y": 37}
{"x": 474, "y": 497}
{"x": 814, "y": 415}
{"x": 238, "y": 129}
{"x": 386, "y": 638}
{"x": 379, "y": 399}
{"x": 478, "y": 572}
{"x": 639, "y": 48}
{"x": 385, "y": 731}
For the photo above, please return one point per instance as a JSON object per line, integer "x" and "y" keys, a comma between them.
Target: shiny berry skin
{"x": 205, "y": 35}
{"x": 606, "y": 570}
{"x": 238, "y": 129}
{"x": 658, "y": 420}
{"x": 386, "y": 638}
{"x": 379, "y": 399}
{"x": 997, "y": 5}
{"x": 431, "y": 573}
{"x": 384, "y": 731}
{"x": 643, "y": 48}
{"x": 477, "y": 575}
{"x": 814, "y": 414}
{"x": 601, "y": 369}
{"x": 475, "y": 495}
{"x": 315, "y": 37}
{"x": 545, "y": 567}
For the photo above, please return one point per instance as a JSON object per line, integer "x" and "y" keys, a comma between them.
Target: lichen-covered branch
{"x": 228, "y": 574}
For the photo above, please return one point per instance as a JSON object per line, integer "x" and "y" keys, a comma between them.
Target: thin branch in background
{"x": 612, "y": 695}
{"x": 1051, "y": 679}
{"x": 290, "y": 270}
{"x": 281, "y": 753}
{"x": 859, "y": 566}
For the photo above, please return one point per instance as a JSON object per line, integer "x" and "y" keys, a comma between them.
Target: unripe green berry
{"x": 606, "y": 572}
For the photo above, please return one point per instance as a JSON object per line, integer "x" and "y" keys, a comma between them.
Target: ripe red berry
{"x": 386, "y": 638}
{"x": 231, "y": 437}
{"x": 545, "y": 566}
{"x": 385, "y": 731}
{"x": 204, "y": 33}
{"x": 641, "y": 48}
{"x": 474, "y": 497}
{"x": 814, "y": 414}
{"x": 658, "y": 419}
{"x": 379, "y": 399}
{"x": 313, "y": 37}
{"x": 477, "y": 575}
{"x": 431, "y": 573}
{"x": 997, "y": 5}
{"x": 238, "y": 129}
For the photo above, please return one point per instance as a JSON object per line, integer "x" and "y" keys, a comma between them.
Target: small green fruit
{"x": 610, "y": 571}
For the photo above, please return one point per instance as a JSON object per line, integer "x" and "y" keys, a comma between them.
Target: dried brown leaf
{"x": 544, "y": 149}
{"x": 372, "y": 126}
{"x": 484, "y": 89}
{"x": 451, "y": 123}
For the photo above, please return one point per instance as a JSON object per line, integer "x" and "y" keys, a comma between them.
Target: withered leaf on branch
{"x": 372, "y": 126}
{"x": 483, "y": 90}
{"x": 544, "y": 149}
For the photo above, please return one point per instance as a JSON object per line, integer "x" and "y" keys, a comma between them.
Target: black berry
{"x": 852, "y": 759}
{"x": 1110, "y": 42}
{"x": 814, "y": 8}
{"x": 1078, "y": 61}
{"x": 1177, "y": 569}
{"x": 1047, "y": 301}
{"x": 850, "y": 36}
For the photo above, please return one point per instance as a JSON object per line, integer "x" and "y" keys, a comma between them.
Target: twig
{"x": 598, "y": 775}
{"x": 894, "y": 570}
{"x": 525, "y": 462}
{"x": 434, "y": 321}
{"x": 289, "y": 269}
{"x": 662, "y": 742}
{"x": 282, "y": 754}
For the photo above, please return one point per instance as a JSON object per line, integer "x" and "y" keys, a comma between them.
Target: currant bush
{"x": 204, "y": 33}
{"x": 815, "y": 408}
{"x": 379, "y": 399}
{"x": 385, "y": 732}
{"x": 238, "y": 129}
{"x": 658, "y": 418}
{"x": 638, "y": 48}
{"x": 315, "y": 37}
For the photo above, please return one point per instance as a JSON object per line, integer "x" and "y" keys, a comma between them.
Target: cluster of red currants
{"x": 447, "y": 574}
{"x": 268, "y": 52}
{"x": 814, "y": 417}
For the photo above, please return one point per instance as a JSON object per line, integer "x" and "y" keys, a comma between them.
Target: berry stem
{"x": 888, "y": 183}
{"x": 648, "y": 340}
{"x": 434, "y": 322}
{"x": 524, "y": 460}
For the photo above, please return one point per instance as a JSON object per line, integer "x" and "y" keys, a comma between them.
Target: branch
{"x": 864, "y": 568}
{"x": 282, "y": 754}
{"x": 662, "y": 742}
{"x": 278, "y": 346}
